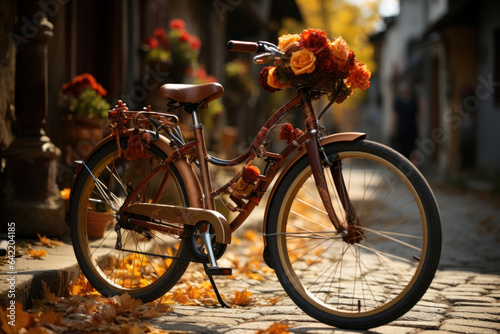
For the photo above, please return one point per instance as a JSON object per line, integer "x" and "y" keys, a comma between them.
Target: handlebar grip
{"x": 242, "y": 46}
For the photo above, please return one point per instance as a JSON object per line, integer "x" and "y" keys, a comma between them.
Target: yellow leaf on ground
{"x": 181, "y": 297}
{"x": 194, "y": 292}
{"x": 242, "y": 298}
{"x": 50, "y": 317}
{"x": 275, "y": 328}
{"x": 82, "y": 287}
{"x": 4, "y": 321}
{"x": 65, "y": 193}
{"x": 36, "y": 253}
{"x": 47, "y": 296}
{"x": 35, "y": 330}
{"x": 23, "y": 319}
{"x": 49, "y": 242}
{"x": 250, "y": 235}
{"x": 127, "y": 303}
{"x": 206, "y": 285}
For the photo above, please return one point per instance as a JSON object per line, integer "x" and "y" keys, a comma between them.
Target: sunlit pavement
{"x": 463, "y": 298}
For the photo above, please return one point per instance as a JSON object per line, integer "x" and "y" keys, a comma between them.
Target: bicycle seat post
{"x": 202, "y": 160}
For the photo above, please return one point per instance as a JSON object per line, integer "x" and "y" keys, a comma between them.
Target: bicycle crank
{"x": 185, "y": 216}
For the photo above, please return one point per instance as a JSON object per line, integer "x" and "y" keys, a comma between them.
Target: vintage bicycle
{"x": 351, "y": 227}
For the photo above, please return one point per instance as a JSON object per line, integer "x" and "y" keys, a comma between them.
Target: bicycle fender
{"x": 186, "y": 172}
{"x": 333, "y": 138}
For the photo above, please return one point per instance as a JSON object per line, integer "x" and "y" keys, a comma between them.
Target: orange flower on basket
{"x": 314, "y": 40}
{"x": 303, "y": 61}
{"x": 286, "y": 40}
{"x": 325, "y": 61}
{"x": 264, "y": 74}
{"x": 360, "y": 77}
{"x": 273, "y": 81}
{"x": 340, "y": 50}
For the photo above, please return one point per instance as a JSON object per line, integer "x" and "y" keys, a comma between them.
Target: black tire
{"x": 364, "y": 284}
{"x": 112, "y": 271}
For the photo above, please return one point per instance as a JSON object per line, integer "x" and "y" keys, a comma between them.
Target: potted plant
{"x": 99, "y": 217}
{"x": 86, "y": 114}
{"x": 172, "y": 51}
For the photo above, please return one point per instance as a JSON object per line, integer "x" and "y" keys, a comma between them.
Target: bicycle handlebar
{"x": 241, "y": 46}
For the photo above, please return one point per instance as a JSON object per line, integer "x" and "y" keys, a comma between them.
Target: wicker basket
{"x": 325, "y": 82}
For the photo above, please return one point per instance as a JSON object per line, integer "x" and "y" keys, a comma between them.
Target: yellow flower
{"x": 302, "y": 61}
{"x": 273, "y": 81}
{"x": 286, "y": 40}
{"x": 340, "y": 50}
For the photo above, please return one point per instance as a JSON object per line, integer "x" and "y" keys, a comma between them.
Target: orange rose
{"x": 340, "y": 50}
{"x": 302, "y": 61}
{"x": 360, "y": 77}
{"x": 286, "y": 40}
{"x": 273, "y": 81}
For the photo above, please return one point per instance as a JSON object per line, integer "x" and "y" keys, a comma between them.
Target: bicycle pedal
{"x": 218, "y": 271}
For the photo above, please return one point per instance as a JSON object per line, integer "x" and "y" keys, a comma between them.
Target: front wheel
{"x": 370, "y": 280}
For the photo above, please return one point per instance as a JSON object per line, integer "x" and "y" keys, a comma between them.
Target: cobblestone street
{"x": 463, "y": 298}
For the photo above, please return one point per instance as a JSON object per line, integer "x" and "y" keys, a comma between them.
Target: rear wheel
{"x": 148, "y": 263}
{"x": 385, "y": 266}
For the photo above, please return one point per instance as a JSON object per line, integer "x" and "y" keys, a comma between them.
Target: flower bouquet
{"x": 312, "y": 60}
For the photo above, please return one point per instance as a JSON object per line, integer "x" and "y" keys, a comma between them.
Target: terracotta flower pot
{"x": 97, "y": 223}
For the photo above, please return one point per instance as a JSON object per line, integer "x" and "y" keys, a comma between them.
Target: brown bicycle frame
{"x": 196, "y": 150}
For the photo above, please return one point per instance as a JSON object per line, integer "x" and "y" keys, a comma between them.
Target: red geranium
{"x": 195, "y": 43}
{"x": 263, "y": 80}
{"x": 313, "y": 40}
{"x": 325, "y": 62}
{"x": 151, "y": 42}
{"x": 161, "y": 35}
{"x": 177, "y": 24}
{"x": 185, "y": 36}
{"x": 80, "y": 83}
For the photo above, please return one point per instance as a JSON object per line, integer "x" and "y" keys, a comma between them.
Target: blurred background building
{"x": 445, "y": 51}
{"x": 448, "y": 52}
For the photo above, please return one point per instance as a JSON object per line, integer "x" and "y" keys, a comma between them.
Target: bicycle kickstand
{"x": 216, "y": 290}
{"x": 214, "y": 269}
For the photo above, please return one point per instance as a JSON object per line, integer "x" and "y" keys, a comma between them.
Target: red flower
{"x": 151, "y": 42}
{"x": 80, "y": 83}
{"x": 289, "y": 134}
{"x": 185, "y": 36}
{"x": 297, "y": 133}
{"x": 161, "y": 36}
{"x": 194, "y": 43}
{"x": 250, "y": 173}
{"x": 177, "y": 24}
{"x": 360, "y": 77}
{"x": 313, "y": 40}
{"x": 210, "y": 78}
{"x": 324, "y": 61}
{"x": 348, "y": 66}
{"x": 137, "y": 145}
{"x": 286, "y": 132}
{"x": 263, "y": 80}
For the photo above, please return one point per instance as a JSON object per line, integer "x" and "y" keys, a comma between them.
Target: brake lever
{"x": 271, "y": 52}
